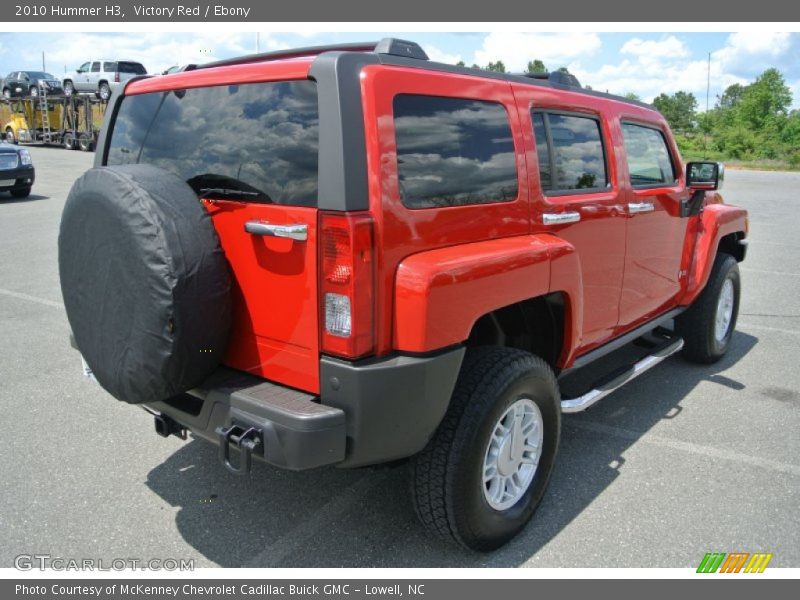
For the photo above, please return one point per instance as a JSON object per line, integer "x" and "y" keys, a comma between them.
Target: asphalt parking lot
{"x": 684, "y": 460}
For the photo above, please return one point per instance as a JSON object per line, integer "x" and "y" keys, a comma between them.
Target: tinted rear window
{"x": 130, "y": 67}
{"x": 453, "y": 151}
{"x": 259, "y": 140}
{"x": 570, "y": 152}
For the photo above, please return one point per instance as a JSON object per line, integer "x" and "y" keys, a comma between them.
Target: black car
{"x": 30, "y": 83}
{"x": 16, "y": 170}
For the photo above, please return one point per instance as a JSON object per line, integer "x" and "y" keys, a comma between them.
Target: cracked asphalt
{"x": 684, "y": 460}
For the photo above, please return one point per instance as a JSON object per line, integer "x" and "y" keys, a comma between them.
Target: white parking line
{"x": 708, "y": 451}
{"x": 29, "y": 298}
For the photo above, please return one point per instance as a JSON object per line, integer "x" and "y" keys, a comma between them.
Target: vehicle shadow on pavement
{"x": 364, "y": 518}
{"x": 9, "y": 199}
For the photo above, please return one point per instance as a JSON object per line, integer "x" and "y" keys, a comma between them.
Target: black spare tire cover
{"x": 145, "y": 282}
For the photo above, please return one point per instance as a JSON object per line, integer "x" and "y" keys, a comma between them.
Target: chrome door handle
{"x": 560, "y": 218}
{"x": 297, "y": 232}
{"x": 641, "y": 207}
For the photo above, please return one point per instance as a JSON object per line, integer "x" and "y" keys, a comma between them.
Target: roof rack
{"x": 557, "y": 77}
{"x": 391, "y": 46}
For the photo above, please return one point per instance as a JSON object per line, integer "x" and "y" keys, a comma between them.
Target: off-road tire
{"x": 446, "y": 477}
{"x": 697, "y": 324}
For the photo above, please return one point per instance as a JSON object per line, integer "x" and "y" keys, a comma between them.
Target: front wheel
{"x": 21, "y": 193}
{"x": 6, "y": 93}
{"x": 69, "y": 89}
{"x": 10, "y": 138}
{"x": 707, "y": 325}
{"x": 481, "y": 477}
{"x": 34, "y": 91}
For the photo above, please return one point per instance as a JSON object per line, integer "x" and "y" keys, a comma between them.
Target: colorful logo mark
{"x": 735, "y": 562}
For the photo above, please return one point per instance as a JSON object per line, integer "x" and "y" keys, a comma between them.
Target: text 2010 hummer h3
{"x": 353, "y": 255}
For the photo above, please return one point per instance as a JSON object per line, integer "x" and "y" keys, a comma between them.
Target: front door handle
{"x": 560, "y": 218}
{"x": 297, "y": 232}
{"x": 641, "y": 207}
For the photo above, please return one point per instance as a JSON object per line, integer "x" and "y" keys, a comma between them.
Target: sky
{"x": 646, "y": 64}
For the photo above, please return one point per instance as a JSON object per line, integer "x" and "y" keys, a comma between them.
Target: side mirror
{"x": 704, "y": 175}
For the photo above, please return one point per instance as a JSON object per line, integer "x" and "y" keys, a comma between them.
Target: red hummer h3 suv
{"x": 352, "y": 255}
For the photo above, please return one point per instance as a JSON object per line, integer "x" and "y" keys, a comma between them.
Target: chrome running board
{"x": 574, "y": 405}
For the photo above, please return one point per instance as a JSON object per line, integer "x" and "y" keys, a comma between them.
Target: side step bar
{"x": 574, "y": 405}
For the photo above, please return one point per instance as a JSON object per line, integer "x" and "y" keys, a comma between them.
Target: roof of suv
{"x": 392, "y": 51}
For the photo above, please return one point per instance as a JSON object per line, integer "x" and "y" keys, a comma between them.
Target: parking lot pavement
{"x": 684, "y": 460}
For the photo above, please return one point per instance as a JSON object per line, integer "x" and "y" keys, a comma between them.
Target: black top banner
{"x": 443, "y": 11}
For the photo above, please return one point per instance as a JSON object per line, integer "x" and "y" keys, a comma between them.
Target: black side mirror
{"x": 704, "y": 175}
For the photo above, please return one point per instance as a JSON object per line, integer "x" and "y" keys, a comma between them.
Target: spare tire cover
{"x": 145, "y": 282}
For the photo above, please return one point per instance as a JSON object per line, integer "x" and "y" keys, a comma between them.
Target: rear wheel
{"x": 6, "y": 93}
{"x": 707, "y": 325}
{"x": 23, "y": 193}
{"x": 10, "y": 138}
{"x": 69, "y": 141}
{"x": 86, "y": 141}
{"x": 34, "y": 91}
{"x": 481, "y": 477}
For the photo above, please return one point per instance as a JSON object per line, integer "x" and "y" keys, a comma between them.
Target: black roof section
{"x": 393, "y": 51}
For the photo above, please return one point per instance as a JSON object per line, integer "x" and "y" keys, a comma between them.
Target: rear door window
{"x": 453, "y": 152}
{"x": 254, "y": 142}
{"x": 95, "y": 67}
{"x": 131, "y": 67}
{"x": 570, "y": 152}
{"x": 649, "y": 161}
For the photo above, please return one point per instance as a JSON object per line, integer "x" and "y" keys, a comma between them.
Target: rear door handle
{"x": 297, "y": 232}
{"x": 641, "y": 207}
{"x": 560, "y": 218}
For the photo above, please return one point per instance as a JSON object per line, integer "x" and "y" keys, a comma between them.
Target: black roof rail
{"x": 557, "y": 77}
{"x": 391, "y": 46}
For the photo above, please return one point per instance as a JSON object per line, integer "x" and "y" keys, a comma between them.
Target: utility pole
{"x": 708, "y": 94}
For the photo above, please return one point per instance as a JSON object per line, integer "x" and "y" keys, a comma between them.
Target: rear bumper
{"x": 368, "y": 412}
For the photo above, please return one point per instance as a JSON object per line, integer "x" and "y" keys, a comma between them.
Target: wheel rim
{"x": 105, "y": 92}
{"x": 512, "y": 454}
{"x": 724, "y": 316}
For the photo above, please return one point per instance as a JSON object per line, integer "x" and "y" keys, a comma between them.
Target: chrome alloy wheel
{"x": 724, "y": 314}
{"x": 512, "y": 454}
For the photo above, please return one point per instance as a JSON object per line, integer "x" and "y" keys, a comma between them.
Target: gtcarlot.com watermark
{"x": 45, "y": 562}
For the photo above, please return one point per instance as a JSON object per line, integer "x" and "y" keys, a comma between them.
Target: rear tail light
{"x": 347, "y": 283}
{"x": 116, "y": 77}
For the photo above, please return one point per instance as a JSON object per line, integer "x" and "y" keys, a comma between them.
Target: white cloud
{"x": 438, "y": 55}
{"x": 554, "y": 49}
{"x": 669, "y": 47}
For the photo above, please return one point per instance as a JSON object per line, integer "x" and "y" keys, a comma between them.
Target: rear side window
{"x": 649, "y": 162}
{"x": 109, "y": 67}
{"x": 453, "y": 152}
{"x": 570, "y": 152}
{"x": 130, "y": 67}
{"x": 254, "y": 142}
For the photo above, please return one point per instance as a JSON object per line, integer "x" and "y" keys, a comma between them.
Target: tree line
{"x": 747, "y": 122}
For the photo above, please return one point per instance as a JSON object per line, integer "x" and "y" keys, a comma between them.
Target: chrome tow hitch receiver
{"x": 246, "y": 439}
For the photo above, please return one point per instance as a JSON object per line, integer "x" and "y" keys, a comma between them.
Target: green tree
{"x": 497, "y": 67}
{"x": 633, "y": 96}
{"x": 536, "y": 66}
{"x": 765, "y": 102}
{"x": 731, "y": 96}
{"x": 679, "y": 109}
{"x": 461, "y": 63}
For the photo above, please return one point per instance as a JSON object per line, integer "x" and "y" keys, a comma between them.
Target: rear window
{"x": 452, "y": 152}
{"x": 255, "y": 142}
{"x": 649, "y": 162}
{"x": 129, "y": 67}
{"x": 570, "y": 153}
